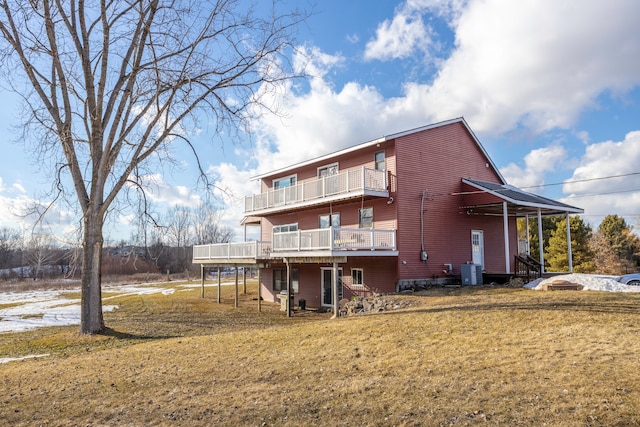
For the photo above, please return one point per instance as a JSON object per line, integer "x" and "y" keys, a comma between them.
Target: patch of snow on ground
{"x": 13, "y": 359}
{"x": 36, "y": 309}
{"x": 590, "y": 282}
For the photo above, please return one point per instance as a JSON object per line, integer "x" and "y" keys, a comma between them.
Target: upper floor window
{"x": 365, "y": 217}
{"x": 330, "y": 220}
{"x": 287, "y": 181}
{"x": 328, "y": 170}
{"x": 285, "y": 227}
{"x": 379, "y": 161}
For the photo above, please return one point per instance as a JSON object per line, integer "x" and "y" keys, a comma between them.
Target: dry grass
{"x": 465, "y": 356}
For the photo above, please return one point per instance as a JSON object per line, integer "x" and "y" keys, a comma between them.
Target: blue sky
{"x": 551, "y": 89}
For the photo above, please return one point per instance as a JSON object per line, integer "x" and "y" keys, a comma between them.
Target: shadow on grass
{"x": 109, "y": 332}
{"x": 558, "y": 301}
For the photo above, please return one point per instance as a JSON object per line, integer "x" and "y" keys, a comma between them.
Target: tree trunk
{"x": 91, "y": 320}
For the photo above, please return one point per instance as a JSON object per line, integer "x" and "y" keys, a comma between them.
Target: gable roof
{"x": 521, "y": 198}
{"x": 385, "y": 138}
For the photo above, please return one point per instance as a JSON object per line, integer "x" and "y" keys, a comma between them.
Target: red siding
{"x": 379, "y": 275}
{"x": 432, "y": 161}
{"x": 435, "y": 161}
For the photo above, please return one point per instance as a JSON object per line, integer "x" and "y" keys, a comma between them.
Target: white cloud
{"x": 536, "y": 164}
{"x": 161, "y": 192}
{"x": 535, "y": 63}
{"x": 607, "y": 159}
{"x": 608, "y": 180}
{"x": 399, "y": 38}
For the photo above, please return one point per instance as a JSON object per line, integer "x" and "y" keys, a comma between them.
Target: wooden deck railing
{"x": 527, "y": 268}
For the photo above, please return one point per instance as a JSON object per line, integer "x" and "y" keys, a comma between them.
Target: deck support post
{"x": 289, "y": 308}
{"x": 259, "y": 291}
{"x": 236, "y": 298}
{"x": 219, "y": 280}
{"x": 334, "y": 289}
{"x": 202, "y": 280}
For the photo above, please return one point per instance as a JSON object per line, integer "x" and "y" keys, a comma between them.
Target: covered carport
{"x": 494, "y": 199}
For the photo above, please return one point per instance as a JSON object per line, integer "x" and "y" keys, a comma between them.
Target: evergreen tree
{"x": 620, "y": 248}
{"x": 556, "y": 252}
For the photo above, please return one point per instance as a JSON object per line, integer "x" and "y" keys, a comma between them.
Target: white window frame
{"x": 289, "y": 227}
{"x": 360, "y": 211}
{"x": 332, "y": 220}
{"x": 285, "y": 178}
{"x": 361, "y": 271}
{"x": 295, "y": 279}
{"x": 384, "y": 160}
{"x": 328, "y": 167}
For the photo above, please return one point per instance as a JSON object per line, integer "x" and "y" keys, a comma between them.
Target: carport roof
{"x": 519, "y": 202}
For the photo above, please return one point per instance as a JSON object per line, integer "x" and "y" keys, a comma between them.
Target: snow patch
{"x": 590, "y": 282}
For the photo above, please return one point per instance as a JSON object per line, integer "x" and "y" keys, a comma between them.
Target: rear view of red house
{"x": 424, "y": 206}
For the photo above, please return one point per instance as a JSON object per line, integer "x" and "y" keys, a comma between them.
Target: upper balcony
{"x": 344, "y": 185}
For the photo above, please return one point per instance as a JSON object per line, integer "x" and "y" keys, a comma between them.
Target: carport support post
{"x": 505, "y": 214}
{"x": 219, "y": 284}
{"x": 540, "y": 241}
{"x": 528, "y": 235}
{"x": 569, "y": 254}
{"x": 236, "y": 299}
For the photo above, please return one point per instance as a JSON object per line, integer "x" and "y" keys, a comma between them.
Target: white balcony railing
{"x": 351, "y": 181}
{"x": 319, "y": 240}
{"x": 244, "y": 250}
{"x": 334, "y": 239}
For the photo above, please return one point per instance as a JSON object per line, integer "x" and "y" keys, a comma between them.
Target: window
{"x": 330, "y": 220}
{"x": 285, "y": 228}
{"x": 328, "y": 170}
{"x": 357, "y": 277}
{"x": 379, "y": 161}
{"x": 280, "y": 280}
{"x": 287, "y": 181}
{"x": 365, "y": 216}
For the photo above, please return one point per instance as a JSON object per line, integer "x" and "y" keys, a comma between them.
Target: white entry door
{"x": 327, "y": 282}
{"x": 477, "y": 247}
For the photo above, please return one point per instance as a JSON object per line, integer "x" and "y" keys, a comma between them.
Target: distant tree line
{"x": 612, "y": 248}
{"x": 165, "y": 247}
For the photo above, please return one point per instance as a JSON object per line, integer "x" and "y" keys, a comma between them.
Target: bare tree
{"x": 40, "y": 252}
{"x": 208, "y": 228}
{"x": 179, "y": 225}
{"x": 110, "y": 87}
